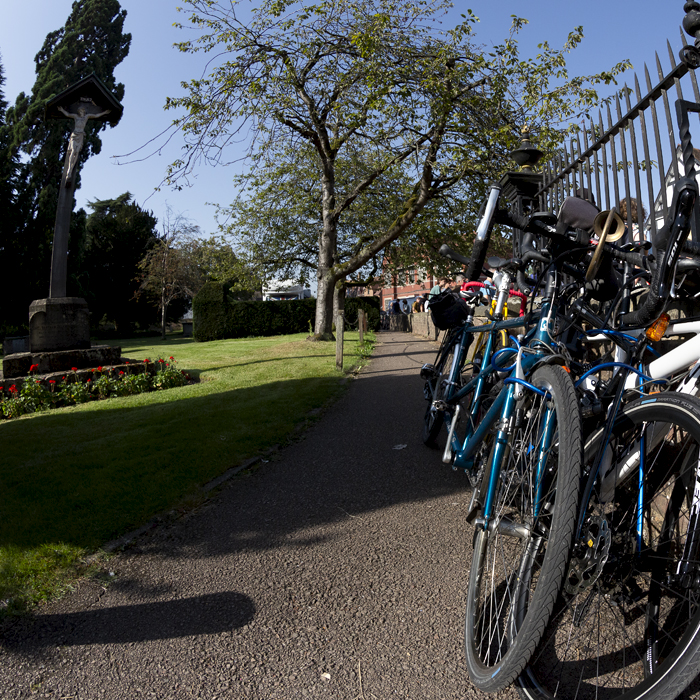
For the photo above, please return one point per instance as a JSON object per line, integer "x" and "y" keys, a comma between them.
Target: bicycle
{"x": 522, "y": 450}
{"x": 627, "y": 622}
{"x": 454, "y": 320}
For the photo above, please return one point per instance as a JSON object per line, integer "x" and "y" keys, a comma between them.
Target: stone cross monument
{"x": 60, "y": 322}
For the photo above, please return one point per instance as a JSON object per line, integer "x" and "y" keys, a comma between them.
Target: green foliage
{"x": 91, "y": 41}
{"x": 218, "y": 315}
{"x": 366, "y": 92}
{"x": 169, "y": 270}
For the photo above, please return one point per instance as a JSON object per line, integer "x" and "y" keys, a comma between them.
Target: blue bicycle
{"x": 515, "y": 427}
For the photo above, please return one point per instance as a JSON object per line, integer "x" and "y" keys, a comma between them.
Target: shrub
{"x": 218, "y": 316}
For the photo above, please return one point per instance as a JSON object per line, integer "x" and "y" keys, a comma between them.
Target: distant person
{"x": 443, "y": 283}
{"x": 457, "y": 283}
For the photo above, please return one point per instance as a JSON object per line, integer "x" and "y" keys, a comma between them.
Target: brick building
{"x": 405, "y": 286}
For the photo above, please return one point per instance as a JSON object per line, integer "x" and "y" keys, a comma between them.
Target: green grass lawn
{"x": 74, "y": 478}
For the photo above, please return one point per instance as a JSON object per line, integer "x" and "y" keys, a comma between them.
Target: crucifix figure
{"x": 77, "y": 137}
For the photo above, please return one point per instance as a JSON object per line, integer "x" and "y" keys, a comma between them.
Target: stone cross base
{"x": 62, "y": 323}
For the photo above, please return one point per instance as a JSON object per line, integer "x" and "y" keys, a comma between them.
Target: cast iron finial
{"x": 691, "y": 23}
{"x": 526, "y": 156}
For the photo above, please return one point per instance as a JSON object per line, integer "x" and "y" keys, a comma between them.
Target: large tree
{"x": 91, "y": 41}
{"x": 170, "y": 270}
{"x": 376, "y": 77}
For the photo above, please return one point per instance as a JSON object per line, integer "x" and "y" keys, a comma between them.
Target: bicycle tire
{"x": 514, "y": 581}
{"x": 433, "y": 419}
{"x": 634, "y": 632}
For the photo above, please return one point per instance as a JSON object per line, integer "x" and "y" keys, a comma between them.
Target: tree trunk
{"x": 327, "y": 250}
{"x": 164, "y": 312}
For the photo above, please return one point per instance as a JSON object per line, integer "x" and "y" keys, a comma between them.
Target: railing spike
{"x": 670, "y": 54}
{"x": 648, "y": 77}
{"x": 658, "y": 66}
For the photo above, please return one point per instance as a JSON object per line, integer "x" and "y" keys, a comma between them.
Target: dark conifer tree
{"x": 117, "y": 235}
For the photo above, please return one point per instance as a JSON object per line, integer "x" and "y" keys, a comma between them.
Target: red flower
{"x": 74, "y": 369}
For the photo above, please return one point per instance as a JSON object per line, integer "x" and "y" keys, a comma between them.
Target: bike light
{"x": 658, "y": 328}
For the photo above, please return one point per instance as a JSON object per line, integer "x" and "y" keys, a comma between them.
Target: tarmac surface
{"x": 336, "y": 570}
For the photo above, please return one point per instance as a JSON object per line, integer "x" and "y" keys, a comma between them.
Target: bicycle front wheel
{"x": 520, "y": 557}
{"x": 440, "y": 386}
{"x": 627, "y": 624}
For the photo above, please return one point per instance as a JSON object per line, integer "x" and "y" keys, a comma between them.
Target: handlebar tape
{"x": 477, "y": 260}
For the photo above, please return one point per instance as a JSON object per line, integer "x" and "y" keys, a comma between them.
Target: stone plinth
{"x": 18, "y": 365}
{"x": 59, "y": 324}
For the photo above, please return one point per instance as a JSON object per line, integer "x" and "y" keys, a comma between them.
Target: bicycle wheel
{"x": 520, "y": 559}
{"x": 627, "y": 623}
{"x": 438, "y": 388}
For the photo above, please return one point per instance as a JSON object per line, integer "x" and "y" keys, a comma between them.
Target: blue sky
{"x": 153, "y": 70}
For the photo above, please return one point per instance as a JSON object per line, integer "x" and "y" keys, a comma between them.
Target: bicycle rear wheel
{"x": 520, "y": 558}
{"x": 627, "y": 623}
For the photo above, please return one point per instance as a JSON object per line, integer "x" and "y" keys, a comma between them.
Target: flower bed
{"x": 78, "y": 386}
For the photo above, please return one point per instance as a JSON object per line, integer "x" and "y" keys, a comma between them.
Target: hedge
{"x": 217, "y": 315}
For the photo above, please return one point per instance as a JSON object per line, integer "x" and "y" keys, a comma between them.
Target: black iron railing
{"x": 628, "y": 155}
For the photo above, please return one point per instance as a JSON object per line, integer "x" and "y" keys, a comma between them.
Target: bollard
{"x": 339, "y": 331}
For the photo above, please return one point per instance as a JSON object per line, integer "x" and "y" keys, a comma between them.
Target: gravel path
{"x": 337, "y": 570}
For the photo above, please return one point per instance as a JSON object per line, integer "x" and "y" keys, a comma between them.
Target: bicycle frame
{"x": 502, "y": 410}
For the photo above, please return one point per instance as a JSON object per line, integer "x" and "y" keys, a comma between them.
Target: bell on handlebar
{"x": 615, "y": 229}
{"x": 608, "y": 226}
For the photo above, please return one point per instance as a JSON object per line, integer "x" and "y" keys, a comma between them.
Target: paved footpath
{"x": 337, "y": 570}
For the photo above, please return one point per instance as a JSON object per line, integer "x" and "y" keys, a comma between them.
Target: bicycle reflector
{"x": 658, "y": 328}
